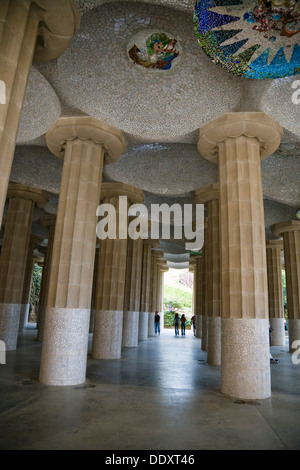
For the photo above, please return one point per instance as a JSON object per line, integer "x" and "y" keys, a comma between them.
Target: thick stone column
{"x": 93, "y": 300}
{"x": 276, "y": 310}
{"x": 145, "y": 290}
{"x": 237, "y": 142}
{"x": 109, "y": 302}
{"x": 204, "y": 289}
{"x": 30, "y": 31}
{"x": 198, "y": 293}
{"x": 48, "y": 222}
{"x": 290, "y": 231}
{"x": 132, "y": 296}
{"x": 85, "y": 143}
{"x": 24, "y": 312}
{"x": 155, "y": 255}
{"x": 210, "y": 196}
{"x": 22, "y": 200}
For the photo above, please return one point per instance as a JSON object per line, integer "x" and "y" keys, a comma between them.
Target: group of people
{"x": 177, "y": 320}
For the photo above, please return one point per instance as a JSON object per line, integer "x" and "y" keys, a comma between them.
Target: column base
{"x": 107, "y": 336}
{"x": 130, "y": 329}
{"x": 9, "y": 325}
{"x": 278, "y": 332}
{"x": 214, "y": 341}
{"x": 143, "y": 326}
{"x": 151, "y": 327}
{"x": 24, "y": 312}
{"x": 294, "y": 333}
{"x": 199, "y": 326}
{"x": 245, "y": 370}
{"x": 65, "y": 346}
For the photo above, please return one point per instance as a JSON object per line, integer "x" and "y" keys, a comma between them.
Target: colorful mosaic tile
{"x": 157, "y": 52}
{"x": 251, "y": 38}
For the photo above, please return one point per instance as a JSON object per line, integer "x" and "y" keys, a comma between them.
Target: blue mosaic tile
{"x": 251, "y": 38}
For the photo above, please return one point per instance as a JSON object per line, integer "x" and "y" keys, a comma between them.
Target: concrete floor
{"x": 159, "y": 396}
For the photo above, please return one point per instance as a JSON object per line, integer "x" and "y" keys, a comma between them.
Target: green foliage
{"x": 35, "y": 287}
{"x": 284, "y": 292}
{"x": 177, "y": 298}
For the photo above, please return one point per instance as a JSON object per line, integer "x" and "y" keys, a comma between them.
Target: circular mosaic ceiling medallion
{"x": 156, "y": 50}
{"x": 251, "y": 38}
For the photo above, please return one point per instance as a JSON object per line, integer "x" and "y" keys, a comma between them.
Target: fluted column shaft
{"x": 155, "y": 255}
{"x": 210, "y": 196}
{"x": 198, "y": 289}
{"x": 204, "y": 288}
{"x": 22, "y": 200}
{"x": 21, "y": 23}
{"x": 132, "y": 296}
{"x": 111, "y": 276}
{"x": 276, "y": 310}
{"x": 237, "y": 142}
{"x": 290, "y": 231}
{"x": 47, "y": 222}
{"x": 145, "y": 291}
{"x": 65, "y": 342}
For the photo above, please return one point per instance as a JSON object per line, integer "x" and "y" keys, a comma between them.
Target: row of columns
{"x": 238, "y": 309}
{"x": 41, "y": 30}
{"x": 234, "y": 280}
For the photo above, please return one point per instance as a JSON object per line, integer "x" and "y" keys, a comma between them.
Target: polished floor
{"x": 161, "y": 395}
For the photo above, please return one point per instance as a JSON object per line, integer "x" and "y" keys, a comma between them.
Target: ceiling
{"x": 158, "y": 110}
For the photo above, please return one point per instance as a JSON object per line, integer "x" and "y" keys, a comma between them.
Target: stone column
{"x": 155, "y": 255}
{"x": 237, "y": 142}
{"x": 24, "y": 312}
{"x": 198, "y": 300}
{"x": 109, "y": 303}
{"x": 48, "y": 222}
{"x": 93, "y": 301}
{"x": 161, "y": 269}
{"x": 85, "y": 143}
{"x": 132, "y": 296}
{"x": 30, "y": 31}
{"x": 204, "y": 288}
{"x": 145, "y": 290}
{"x": 22, "y": 200}
{"x": 275, "y": 293}
{"x": 210, "y": 196}
{"x": 290, "y": 231}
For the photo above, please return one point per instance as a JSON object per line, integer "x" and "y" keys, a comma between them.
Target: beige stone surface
{"x": 22, "y": 22}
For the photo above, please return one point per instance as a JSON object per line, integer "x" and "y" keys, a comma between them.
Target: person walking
{"x": 176, "y": 324}
{"x": 183, "y": 322}
{"x": 157, "y": 323}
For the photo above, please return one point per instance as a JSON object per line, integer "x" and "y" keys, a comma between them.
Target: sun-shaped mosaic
{"x": 251, "y": 38}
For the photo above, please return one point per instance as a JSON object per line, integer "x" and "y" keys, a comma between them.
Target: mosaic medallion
{"x": 251, "y": 38}
{"x": 154, "y": 50}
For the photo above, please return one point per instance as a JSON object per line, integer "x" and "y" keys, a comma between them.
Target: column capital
{"x": 282, "y": 227}
{"x": 274, "y": 244}
{"x": 38, "y": 196}
{"x": 135, "y": 195}
{"x": 150, "y": 242}
{"x": 48, "y": 220}
{"x": 207, "y": 193}
{"x": 157, "y": 254}
{"x": 68, "y": 129}
{"x": 233, "y": 125}
{"x": 58, "y": 22}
